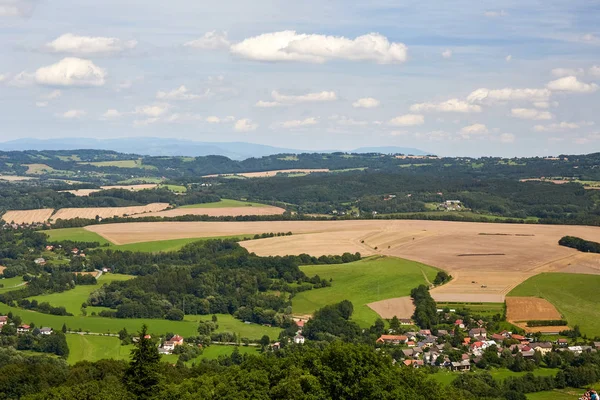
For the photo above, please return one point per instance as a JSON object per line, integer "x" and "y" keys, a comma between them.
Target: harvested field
{"x": 2, "y": 268}
{"x": 14, "y": 178}
{"x": 38, "y": 169}
{"x": 133, "y": 188}
{"x": 217, "y": 212}
{"x": 519, "y": 309}
{"x": 107, "y": 212}
{"x": 528, "y": 249}
{"x": 401, "y": 307}
{"x": 267, "y": 174}
{"x": 28, "y": 216}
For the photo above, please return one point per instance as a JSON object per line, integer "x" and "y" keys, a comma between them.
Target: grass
{"x": 10, "y": 283}
{"x": 446, "y": 377}
{"x": 467, "y": 214}
{"x": 135, "y": 181}
{"x": 175, "y": 188}
{"x": 94, "y": 348}
{"x": 225, "y": 203}
{"x": 120, "y": 164}
{"x": 484, "y": 309}
{"x": 557, "y": 394}
{"x": 573, "y": 295}
{"x": 38, "y": 168}
{"x": 72, "y": 299}
{"x": 81, "y": 234}
{"x": 362, "y": 282}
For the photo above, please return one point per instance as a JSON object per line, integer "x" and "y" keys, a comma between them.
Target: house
{"x": 425, "y": 332}
{"x": 459, "y": 323}
{"x": 543, "y": 347}
{"x": 299, "y": 339}
{"x": 40, "y": 261}
{"x": 405, "y": 321}
{"x": 562, "y": 342}
{"x": 177, "y": 340}
{"x": 575, "y": 349}
{"x": 464, "y": 365}
{"x": 75, "y": 250}
{"x": 162, "y": 350}
{"x": 517, "y": 337}
{"x": 46, "y": 331}
{"x": 392, "y": 339}
{"x": 597, "y": 345}
{"x": 3, "y": 320}
{"x": 169, "y": 346}
{"x": 442, "y": 332}
{"x": 276, "y": 346}
{"x": 49, "y": 248}
{"x": 498, "y": 337}
{"x": 413, "y": 363}
{"x": 478, "y": 332}
{"x": 300, "y": 324}
{"x": 408, "y": 352}
{"x": 23, "y": 329}
{"x": 411, "y": 343}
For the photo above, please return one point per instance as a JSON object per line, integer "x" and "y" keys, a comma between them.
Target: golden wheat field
{"x": 107, "y": 212}
{"x": 28, "y": 216}
{"x": 486, "y": 260}
{"x": 216, "y": 212}
{"x": 266, "y": 174}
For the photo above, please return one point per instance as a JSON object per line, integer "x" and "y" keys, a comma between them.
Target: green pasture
{"x": 557, "y": 394}
{"x": 225, "y": 203}
{"x": 446, "y": 377}
{"x": 574, "y": 295}
{"x": 212, "y": 353}
{"x": 362, "y": 282}
{"x": 72, "y": 299}
{"x": 484, "y": 309}
{"x": 175, "y": 188}
{"x": 94, "y": 348}
{"x": 9, "y": 284}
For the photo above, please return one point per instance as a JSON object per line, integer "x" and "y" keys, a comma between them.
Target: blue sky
{"x": 499, "y": 78}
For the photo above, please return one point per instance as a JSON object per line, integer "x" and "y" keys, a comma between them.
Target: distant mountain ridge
{"x": 176, "y": 147}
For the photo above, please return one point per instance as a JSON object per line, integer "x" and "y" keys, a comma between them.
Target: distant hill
{"x": 175, "y": 147}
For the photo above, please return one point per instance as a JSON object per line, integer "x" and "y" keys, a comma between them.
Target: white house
{"x": 299, "y": 339}
{"x": 46, "y": 331}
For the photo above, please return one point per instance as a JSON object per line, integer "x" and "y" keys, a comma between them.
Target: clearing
{"x": 28, "y": 216}
{"x": 267, "y": 174}
{"x": 573, "y": 295}
{"x": 501, "y": 255}
{"x": 362, "y": 282}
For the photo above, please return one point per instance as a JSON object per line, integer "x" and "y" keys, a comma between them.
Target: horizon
{"x": 513, "y": 80}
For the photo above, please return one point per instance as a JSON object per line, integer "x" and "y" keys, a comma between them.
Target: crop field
{"x": 107, "y": 212}
{"x": 519, "y": 309}
{"x": 486, "y": 260}
{"x": 120, "y": 164}
{"x": 399, "y": 307}
{"x": 225, "y": 203}
{"x": 362, "y": 282}
{"x": 28, "y": 216}
{"x": 38, "y": 169}
{"x": 93, "y": 348}
{"x": 15, "y": 178}
{"x": 133, "y": 188}
{"x": 72, "y": 299}
{"x": 267, "y": 174}
{"x": 573, "y": 295}
{"x": 216, "y": 212}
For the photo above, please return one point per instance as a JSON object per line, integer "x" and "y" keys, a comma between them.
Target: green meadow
{"x": 94, "y": 348}
{"x": 574, "y": 295}
{"x": 446, "y": 377}
{"x": 362, "y": 282}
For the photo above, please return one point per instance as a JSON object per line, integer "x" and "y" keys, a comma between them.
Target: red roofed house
{"x": 459, "y": 323}
{"x": 23, "y": 328}
{"x": 392, "y": 339}
{"x": 3, "y": 320}
{"x": 178, "y": 340}
{"x": 300, "y": 323}
{"x": 517, "y": 337}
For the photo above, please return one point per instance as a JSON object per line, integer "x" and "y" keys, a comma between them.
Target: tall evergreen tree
{"x": 143, "y": 376}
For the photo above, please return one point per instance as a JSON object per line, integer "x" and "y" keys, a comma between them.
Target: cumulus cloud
{"x": 245, "y": 125}
{"x": 111, "y": 113}
{"x": 474, "y": 129}
{"x": 213, "y": 120}
{"x": 22, "y": 79}
{"x": 560, "y": 72}
{"x": 407, "y": 120}
{"x": 16, "y": 8}
{"x": 571, "y": 84}
{"x": 507, "y": 138}
{"x": 182, "y": 93}
{"x": 72, "y": 114}
{"x": 495, "y": 13}
{"x": 491, "y": 96}
{"x": 452, "y": 105}
{"x": 212, "y": 40}
{"x": 305, "y": 98}
{"x": 347, "y": 121}
{"x": 71, "y": 71}
{"x": 292, "y": 46}
{"x": 267, "y": 104}
{"x": 366, "y": 102}
{"x": 508, "y": 58}
{"x": 447, "y": 53}
{"x": 89, "y": 45}
{"x": 153, "y": 110}
{"x": 541, "y": 104}
{"x": 530, "y": 113}
{"x": 55, "y": 94}
{"x": 594, "y": 70}
{"x": 561, "y": 126}
{"x": 298, "y": 123}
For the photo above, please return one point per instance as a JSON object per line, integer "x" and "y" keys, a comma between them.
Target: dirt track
{"x": 527, "y": 249}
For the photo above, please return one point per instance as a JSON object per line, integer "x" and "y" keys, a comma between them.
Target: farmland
{"x": 120, "y": 164}
{"x": 362, "y": 282}
{"x": 225, "y": 203}
{"x": 94, "y": 348}
{"x": 486, "y": 260}
{"x": 573, "y": 295}
{"x": 267, "y": 174}
{"x": 107, "y": 212}
{"x": 28, "y": 216}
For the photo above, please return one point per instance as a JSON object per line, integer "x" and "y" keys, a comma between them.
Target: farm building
{"x": 392, "y": 339}
{"x": 299, "y": 339}
{"x": 3, "y": 320}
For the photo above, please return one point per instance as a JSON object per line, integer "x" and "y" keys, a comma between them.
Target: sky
{"x": 461, "y": 78}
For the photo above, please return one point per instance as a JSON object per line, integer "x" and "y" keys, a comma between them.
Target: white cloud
{"x": 245, "y": 125}
{"x": 182, "y": 93}
{"x": 347, "y": 121}
{"x": 111, "y": 113}
{"x": 594, "y": 70}
{"x": 291, "y": 46}
{"x": 507, "y": 138}
{"x": 72, "y": 114}
{"x": 366, "y": 102}
{"x": 213, "y": 120}
{"x": 474, "y": 129}
{"x": 530, "y": 113}
{"x": 55, "y": 94}
{"x": 452, "y": 105}
{"x": 495, "y": 13}
{"x": 145, "y": 122}
{"x": 41, "y": 104}
{"x": 267, "y": 104}
{"x": 88, "y": 45}
{"x": 541, "y": 104}
{"x": 212, "y": 40}
{"x": 560, "y": 72}
{"x": 22, "y": 79}
{"x": 571, "y": 84}
{"x": 306, "y": 98}
{"x": 490, "y": 96}
{"x": 71, "y": 71}
{"x": 447, "y": 53}
{"x": 153, "y": 111}
{"x": 16, "y": 8}
{"x": 407, "y": 120}
{"x": 508, "y": 58}
{"x": 561, "y": 126}
{"x": 590, "y": 38}
{"x": 3, "y": 77}
{"x": 298, "y": 123}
